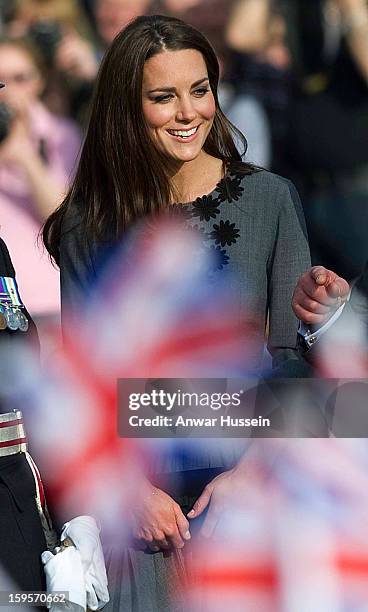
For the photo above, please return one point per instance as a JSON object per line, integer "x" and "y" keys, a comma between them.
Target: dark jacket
{"x": 6, "y": 335}
{"x": 21, "y": 536}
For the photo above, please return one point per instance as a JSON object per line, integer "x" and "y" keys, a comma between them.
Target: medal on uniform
{"x": 5, "y": 302}
{"x": 11, "y": 305}
{"x": 17, "y": 314}
{"x": 3, "y": 322}
{"x": 23, "y": 322}
{"x": 11, "y": 318}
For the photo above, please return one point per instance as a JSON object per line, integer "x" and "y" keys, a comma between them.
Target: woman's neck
{"x": 196, "y": 178}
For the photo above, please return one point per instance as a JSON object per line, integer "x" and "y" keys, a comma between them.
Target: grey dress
{"x": 255, "y": 226}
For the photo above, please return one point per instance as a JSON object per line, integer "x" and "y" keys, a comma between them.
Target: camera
{"x": 6, "y": 117}
{"x": 7, "y": 10}
{"x": 45, "y": 35}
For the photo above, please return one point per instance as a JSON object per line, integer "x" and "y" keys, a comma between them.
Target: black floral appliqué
{"x": 219, "y": 258}
{"x": 225, "y": 233}
{"x": 205, "y": 208}
{"x": 229, "y": 189}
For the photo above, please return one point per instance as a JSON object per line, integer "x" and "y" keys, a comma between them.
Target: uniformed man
{"x": 22, "y": 538}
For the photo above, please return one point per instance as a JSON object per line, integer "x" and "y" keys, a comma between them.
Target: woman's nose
{"x": 185, "y": 110}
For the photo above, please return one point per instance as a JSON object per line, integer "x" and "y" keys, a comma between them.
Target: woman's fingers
{"x": 202, "y": 502}
{"x": 167, "y": 539}
{"x": 182, "y": 523}
{"x": 159, "y": 540}
{"x": 158, "y": 520}
{"x": 173, "y": 536}
{"x": 154, "y": 539}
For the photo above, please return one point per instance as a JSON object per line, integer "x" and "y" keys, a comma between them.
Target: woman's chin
{"x": 185, "y": 156}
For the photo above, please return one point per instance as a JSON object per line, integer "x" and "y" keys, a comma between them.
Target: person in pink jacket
{"x": 38, "y": 151}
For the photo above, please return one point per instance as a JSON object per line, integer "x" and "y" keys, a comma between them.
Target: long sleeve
{"x": 82, "y": 267}
{"x": 290, "y": 259}
{"x": 77, "y": 272}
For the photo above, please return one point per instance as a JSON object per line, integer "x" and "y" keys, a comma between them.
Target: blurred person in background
{"x": 38, "y": 151}
{"x": 328, "y": 145}
{"x": 208, "y": 16}
{"x": 78, "y": 58}
{"x": 7, "y": 12}
{"x": 49, "y": 25}
{"x": 27, "y": 12}
{"x": 25, "y": 526}
{"x": 111, "y": 16}
{"x": 21, "y": 534}
{"x": 319, "y": 49}
{"x": 259, "y": 75}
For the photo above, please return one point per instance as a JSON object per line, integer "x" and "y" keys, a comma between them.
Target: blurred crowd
{"x": 294, "y": 81}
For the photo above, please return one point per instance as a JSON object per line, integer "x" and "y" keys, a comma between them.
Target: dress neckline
{"x": 227, "y": 172}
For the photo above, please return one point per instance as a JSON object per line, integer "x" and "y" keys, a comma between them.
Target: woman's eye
{"x": 201, "y": 91}
{"x": 163, "y": 98}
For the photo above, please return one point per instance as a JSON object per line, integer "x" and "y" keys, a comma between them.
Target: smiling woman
{"x": 180, "y": 118}
{"x": 157, "y": 137}
{"x": 183, "y": 113}
{"x": 144, "y": 88}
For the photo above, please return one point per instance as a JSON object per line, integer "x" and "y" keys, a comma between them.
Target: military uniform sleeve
{"x": 6, "y": 335}
{"x": 6, "y": 266}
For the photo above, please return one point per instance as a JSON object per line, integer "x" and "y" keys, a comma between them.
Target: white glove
{"x": 64, "y": 572}
{"x": 84, "y": 533}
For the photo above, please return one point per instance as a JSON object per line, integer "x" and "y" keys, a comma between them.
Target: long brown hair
{"x": 121, "y": 175}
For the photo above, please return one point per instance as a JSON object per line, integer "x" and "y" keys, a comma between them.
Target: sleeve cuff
{"x": 309, "y": 337}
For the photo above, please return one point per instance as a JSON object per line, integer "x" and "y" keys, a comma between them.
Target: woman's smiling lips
{"x": 184, "y": 135}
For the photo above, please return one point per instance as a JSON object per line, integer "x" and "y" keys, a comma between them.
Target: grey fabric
{"x": 264, "y": 264}
{"x": 140, "y": 581}
{"x": 266, "y": 261}
{"x": 263, "y": 267}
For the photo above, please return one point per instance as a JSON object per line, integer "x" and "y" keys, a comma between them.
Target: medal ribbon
{"x": 12, "y": 290}
{"x": 11, "y": 305}
{"x": 5, "y": 297}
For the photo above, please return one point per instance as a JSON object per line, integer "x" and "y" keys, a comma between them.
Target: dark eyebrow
{"x": 172, "y": 89}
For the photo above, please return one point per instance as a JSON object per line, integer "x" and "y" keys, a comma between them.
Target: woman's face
{"x": 178, "y": 103}
{"x": 19, "y": 73}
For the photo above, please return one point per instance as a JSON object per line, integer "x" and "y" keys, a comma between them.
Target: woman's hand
{"x": 348, "y": 6}
{"x": 75, "y": 56}
{"x": 158, "y": 521}
{"x": 45, "y": 190}
{"x": 17, "y": 147}
{"x": 221, "y": 493}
